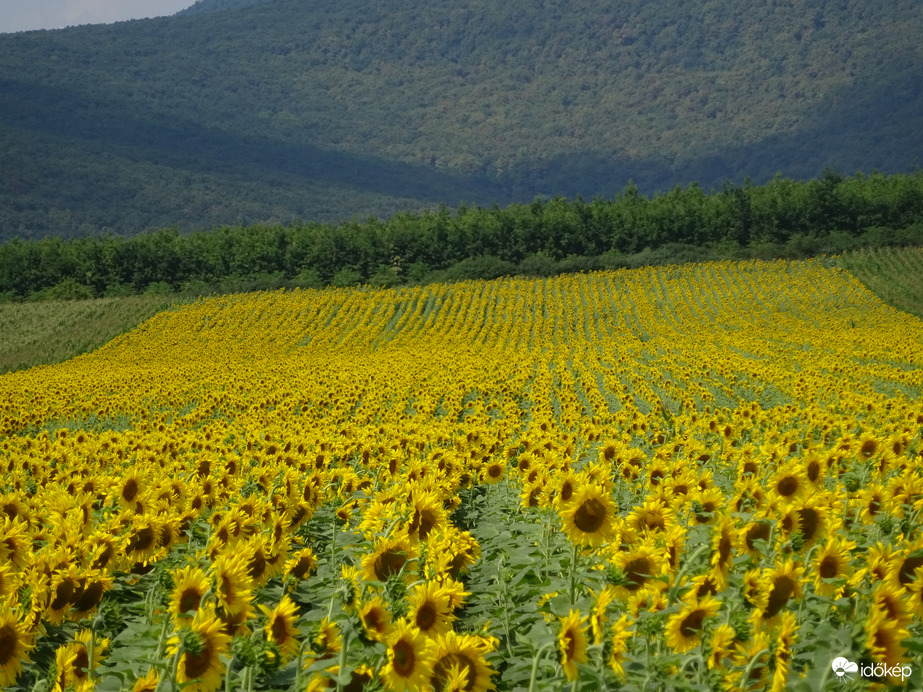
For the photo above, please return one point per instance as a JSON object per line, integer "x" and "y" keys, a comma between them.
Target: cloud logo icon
{"x": 841, "y": 666}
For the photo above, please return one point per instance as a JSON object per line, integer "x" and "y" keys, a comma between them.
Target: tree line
{"x": 782, "y": 218}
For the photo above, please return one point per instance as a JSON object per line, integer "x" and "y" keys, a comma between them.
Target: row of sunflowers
{"x": 699, "y": 477}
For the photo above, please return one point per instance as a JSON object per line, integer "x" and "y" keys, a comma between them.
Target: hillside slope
{"x": 281, "y": 109}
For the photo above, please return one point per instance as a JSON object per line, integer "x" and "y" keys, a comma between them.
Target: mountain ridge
{"x": 362, "y": 109}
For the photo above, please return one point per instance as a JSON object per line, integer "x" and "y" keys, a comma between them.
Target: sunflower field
{"x": 705, "y": 477}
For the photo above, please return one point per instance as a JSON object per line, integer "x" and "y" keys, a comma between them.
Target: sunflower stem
{"x": 341, "y": 663}
{"x": 676, "y": 582}
{"x": 535, "y": 662}
{"x": 753, "y": 662}
{"x": 573, "y": 576}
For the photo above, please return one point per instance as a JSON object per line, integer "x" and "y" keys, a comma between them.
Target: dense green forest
{"x": 547, "y": 236}
{"x": 237, "y": 112}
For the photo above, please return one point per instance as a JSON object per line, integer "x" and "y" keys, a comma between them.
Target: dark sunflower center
{"x": 874, "y": 506}
{"x": 388, "y": 563}
{"x": 372, "y": 619}
{"x": 829, "y": 567}
{"x": 197, "y": 664}
{"x": 8, "y": 642}
{"x": 427, "y": 522}
{"x": 782, "y": 589}
{"x": 404, "y": 659}
{"x": 809, "y": 520}
{"x": 279, "y": 629}
{"x": 787, "y": 486}
{"x": 637, "y": 572}
{"x": 495, "y": 471}
{"x": 130, "y": 490}
{"x": 303, "y": 567}
{"x": 724, "y": 549}
{"x": 141, "y": 539}
{"x": 570, "y": 646}
{"x": 692, "y": 623}
{"x": 908, "y": 567}
{"x": 590, "y": 515}
{"x": 81, "y": 663}
{"x": 89, "y": 597}
{"x": 567, "y": 491}
{"x": 868, "y": 448}
{"x": 257, "y": 565}
{"x": 189, "y": 599}
{"x": 63, "y": 594}
{"x": 757, "y": 532}
{"x": 426, "y": 617}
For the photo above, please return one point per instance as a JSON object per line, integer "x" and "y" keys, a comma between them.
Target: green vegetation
{"x": 54, "y": 331}
{"x": 274, "y": 111}
{"x": 782, "y": 218}
{"x": 892, "y": 274}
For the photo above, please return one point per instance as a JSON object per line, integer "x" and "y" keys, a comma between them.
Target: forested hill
{"x": 274, "y": 110}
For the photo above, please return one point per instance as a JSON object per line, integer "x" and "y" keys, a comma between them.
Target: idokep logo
{"x": 843, "y": 667}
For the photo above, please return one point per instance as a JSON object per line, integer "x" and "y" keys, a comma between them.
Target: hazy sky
{"x": 22, "y": 15}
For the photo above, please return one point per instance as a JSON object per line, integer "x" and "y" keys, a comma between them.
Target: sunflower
{"x": 653, "y": 516}
{"x": 724, "y": 544}
{"x": 754, "y": 532}
{"x": 72, "y": 660}
{"x": 190, "y": 585}
{"x": 91, "y": 587}
{"x": 873, "y": 499}
{"x": 328, "y": 641}
{"x": 619, "y": 645}
{"x": 684, "y": 629}
{"x": 428, "y": 513}
{"x": 63, "y": 587}
{"x": 868, "y": 446}
{"x": 451, "y": 552}
{"x": 15, "y": 643}
{"x": 375, "y": 619}
{"x": 281, "y": 629}
{"x": 888, "y": 599}
{"x": 589, "y": 518}
{"x": 15, "y": 542}
{"x": 572, "y": 644}
{"x": 148, "y": 683}
{"x": 466, "y": 653}
{"x": 706, "y": 503}
{"x": 130, "y": 489}
{"x": 431, "y": 608}
{"x": 389, "y": 556}
{"x": 409, "y": 664}
{"x": 782, "y": 656}
{"x": 599, "y": 615}
{"x": 721, "y": 645}
{"x": 778, "y": 585}
{"x": 640, "y": 565}
{"x": 301, "y": 564}
{"x": 832, "y": 563}
{"x": 143, "y": 538}
{"x": 232, "y": 586}
{"x": 884, "y": 637}
{"x": 788, "y": 482}
{"x": 565, "y": 485}
{"x": 200, "y": 651}
{"x": 493, "y": 472}
{"x": 10, "y": 581}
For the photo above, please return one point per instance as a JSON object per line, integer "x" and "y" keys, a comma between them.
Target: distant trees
{"x": 784, "y": 217}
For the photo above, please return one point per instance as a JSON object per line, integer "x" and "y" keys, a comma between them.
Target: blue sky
{"x": 23, "y": 15}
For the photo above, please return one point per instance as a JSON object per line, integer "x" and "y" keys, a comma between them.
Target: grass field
{"x": 698, "y": 477}
{"x": 51, "y": 332}
{"x": 893, "y": 274}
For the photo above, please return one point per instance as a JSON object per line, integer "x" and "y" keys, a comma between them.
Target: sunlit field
{"x": 698, "y": 477}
